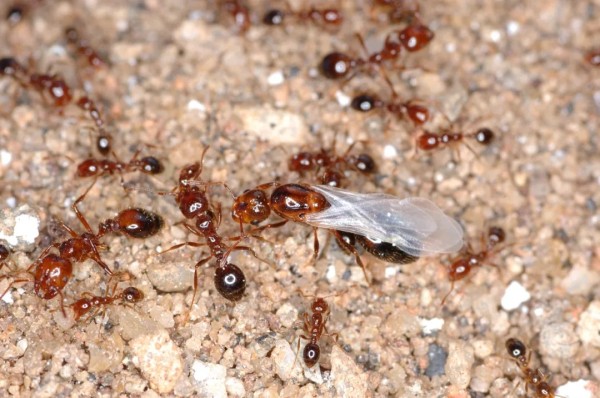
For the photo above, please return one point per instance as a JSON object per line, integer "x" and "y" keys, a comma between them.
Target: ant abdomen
{"x": 150, "y": 165}
{"x": 336, "y": 65}
{"x": 385, "y": 251}
{"x": 311, "y": 354}
{"x": 294, "y": 201}
{"x": 230, "y": 281}
{"x": 139, "y": 223}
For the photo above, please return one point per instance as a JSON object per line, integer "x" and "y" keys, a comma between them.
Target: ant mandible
{"x": 413, "y": 38}
{"x": 534, "y": 377}
{"x": 462, "y": 266}
{"x": 89, "y": 302}
{"x": 328, "y": 17}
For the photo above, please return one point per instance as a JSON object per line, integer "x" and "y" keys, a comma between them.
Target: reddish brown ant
{"x": 533, "y": 377}
{"x": 83, "y": 48}
{"x": 90, "y": 302}
{"x": 461, "y": 266}
{"x": 428, "y": 141}
{"x": 332, "y": 165}
{"x": 399, "y": 10}
{"x": 103, "y": 141}
{"x": 327, "y": 17}
{"x": 99, "y": 167}
{"x": 53, "y": 271}
{"x": 338, "y": 65}
{"x": 240, "y": 14}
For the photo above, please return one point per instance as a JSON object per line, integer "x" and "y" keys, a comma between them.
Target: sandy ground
{"x": 181, "y": 78}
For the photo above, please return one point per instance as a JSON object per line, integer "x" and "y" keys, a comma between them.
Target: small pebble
{"x": 346, "y": 376}
{"x": 559, "y": 340}
{"x": 437, "y": 360}
{"x": 210, "y": 379}
{"x": 588, "y": 327}
{"x": 459, "y": 364}
{"x": 514, "y": 295}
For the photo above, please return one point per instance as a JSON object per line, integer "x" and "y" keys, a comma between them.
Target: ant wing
{"x": 416, "y": 225}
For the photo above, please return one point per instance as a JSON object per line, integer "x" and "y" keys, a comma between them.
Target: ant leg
{"x": 11, "y": 284}
{"x": 315, "y": 246}
{"x": 447, "y": 294}
{"x": 96, "y": 257}
{"x": 198, "y": 265}
{"x": 193, "y": 244}
{"x": 79, "y": 215}
{"x": 351, "y": 249}
{"x": 251, "y": 251}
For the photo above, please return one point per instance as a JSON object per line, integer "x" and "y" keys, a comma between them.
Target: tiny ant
{"x": 83, "y": 48}
{"x": 314, "y": 328}
{"x": 428, "y": 141}
{"x": 98, "y": 167}
{"x": 415, "y": 226}
{"x": 534, "y": 377}
{"x": 461, "y": 266}
{"x": 592, "y": 57}
{"x": 103, "y": 141}
{"x": 90, "y": 302}
{"x": 324, "y": 17}
{"x": 338, "y": 65}
{"x": 333, "y": 166}
{"x": 415, "y": 111}
{"x": 240, "y": 14}
{"x": 399, "y": 10}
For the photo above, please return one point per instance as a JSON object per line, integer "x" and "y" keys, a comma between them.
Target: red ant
{"x": 338, "y": 65}
{"x": 53, "y": 271}
{"x": 428, "y": 141}
{"x": 59, "y": 93}
{"x": 324, "y": 17}
{"x": 534, "y": 377}
{"x": 314, "y": 328}
{"x": 240, "y": 14}
{"x": 461, "y": 266}
{"x": 333, "y": 165}
{"x": 98, "y": 167}
{"x": 592, "y": 57}
{"x": 83, "y": 48}
{"x": 399, "y": 10}
{"x": 85, "y": 304}
{"x": 190, "y": 195}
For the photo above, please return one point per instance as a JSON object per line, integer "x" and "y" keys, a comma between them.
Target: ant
{"x": 334, "y": 166}
{"x": 399, "y": 10}
{"x": 240, "y": 14}
{"x": 59, "y": 93}
{"x": 412, "y": 38}
{"x": 90, "y": 302}
{"x": 53, "y": 271}
{"x": 99, "y": 167}
{"x": 592, "y": 57}
{"x": 15, "y": 14}
{"x": 384, "y": 223}
{"x": 428, "y": 141}
{"x": 534, "y": 377}
{"x": 314, "y": 326}
{"x": 324, "y": 17}
{"x": 190, "y": 195}
{"x": 83, "y": 48}
{"x": 461, "y": 266}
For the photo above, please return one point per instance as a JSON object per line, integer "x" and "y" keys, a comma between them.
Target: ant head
{"x": 132, "y": 295}
{"x": 516, "y": 349}
{"x": 251, "y": 207}
{"x": 230, "y": 282}
{"x": 302, "y": 161}
{"x": 415, "y": 37}
{"x": 311, "y": 354}
{"x": 319, "y": 305}
{"x": 139, "y": 223}
{"x": 151, "y": 165}
{"x": 190, "y": 172}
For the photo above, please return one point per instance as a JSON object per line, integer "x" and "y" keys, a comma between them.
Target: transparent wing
{"x": 415, "y": 225}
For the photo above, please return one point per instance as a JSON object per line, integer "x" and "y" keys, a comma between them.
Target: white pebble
{"x": 210, "y": 378}
{"x": 432, "y": 325}
{"x": 27, "y": 227}
{"x": 276, "y": 78}
{"x": 389, "y": 152}
{"x": 5, "y": 157}
{"x": 195, "y": 105}
{"x": 514, "y": 296}
{"x": 342, "y": 98}
{"x": 575, "y": 389}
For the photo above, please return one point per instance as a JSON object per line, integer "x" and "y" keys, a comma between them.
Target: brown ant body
{"x": 58, "y": 92}
{"x": 90, "y": 302}
{"x": 428, "y": 141}
{"x": 533, "y": 377}
{"x": 83, "y": 48}
{"x": 99, "y": 167}
{"x": 314, "y": 326}
{"x": 332, "y": 165}
{"x": 413, "y": 38}
{"x": 462, "y": 266}
{"x": 328, "y": 17}
{"x": 592, "y": 57}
